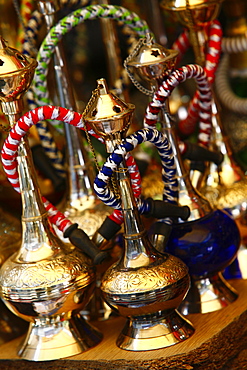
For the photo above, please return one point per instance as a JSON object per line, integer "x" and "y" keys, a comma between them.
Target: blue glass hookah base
{"x": 208, "y": 245}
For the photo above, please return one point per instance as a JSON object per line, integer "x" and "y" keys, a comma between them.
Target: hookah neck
{"x": 36, "y": 228}
{"x": 135, "y": 239}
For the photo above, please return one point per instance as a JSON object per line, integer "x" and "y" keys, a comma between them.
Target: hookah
{"x": 80, "y": 204}
{"x": 173, "y": 326}
{"x": 202, "y": 241}
{"x": 152, "y": 208}
{"x": 46, "y": 282}
{"x": 144, "y": 285}
{"x": 225, "y": 184}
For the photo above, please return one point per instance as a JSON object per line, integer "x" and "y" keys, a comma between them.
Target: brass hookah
{"x": 209, "y": 291}
{"x": 80, "y": 203}
{"x": 144, "y": 285}
{"x": 225, "y": 184}
{"x": 46, "y": 282}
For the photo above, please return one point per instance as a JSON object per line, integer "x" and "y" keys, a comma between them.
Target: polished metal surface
{"x": 79, "y": 203}
{"x": 193, "y": 14}
{"x": 166, "y": 58}
{"x": 108, "y": 115}
{"x": 201, "y": 10}
{"x": 145, "y": 286}
{"x": 45, "y": 281}
{"x": 153, "y": 61}
{"x": 208, "y": 295}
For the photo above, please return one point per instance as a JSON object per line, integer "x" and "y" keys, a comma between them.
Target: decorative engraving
{"x": 143, "y": 279}
{"x": 45, "y": 273}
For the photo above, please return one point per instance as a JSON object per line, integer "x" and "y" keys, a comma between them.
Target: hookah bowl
{"x": 144, "y": 286}
{"x": 45, "y": 282}
{"x": 207, "y": 245}
{"x": 209, "y": 240}
{"x": 148, "y": 296}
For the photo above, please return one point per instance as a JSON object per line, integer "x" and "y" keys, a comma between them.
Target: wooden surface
{"x": 219, "y": 342}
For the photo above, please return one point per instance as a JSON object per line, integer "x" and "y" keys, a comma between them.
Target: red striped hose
{"x": 204, "y": 98}
{"x": 11, "y": 144}
{"x": 214, "y": 33}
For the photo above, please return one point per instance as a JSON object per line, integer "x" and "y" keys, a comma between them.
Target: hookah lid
{"x": 16, "y": 72}
{"x": 202, "y": 10}
{"x": 106, "y": 113}
{"x": 152, "y": 59}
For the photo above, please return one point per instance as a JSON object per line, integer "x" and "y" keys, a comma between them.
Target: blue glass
{"x": 207, "y": 245}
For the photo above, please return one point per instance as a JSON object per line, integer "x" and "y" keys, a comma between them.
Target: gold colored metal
{"x": 144, "y": 286}
{"x": 207, "y": 296}
{"x": 80, "y": 203}
{"x": 202, "y": 10}
{"x": 193, "y": 14}
{"x": 109, "y": 115}
{"x": 45, "y": 282}
{"x": 151, "y": 62}
{"x": 213, "y": 291}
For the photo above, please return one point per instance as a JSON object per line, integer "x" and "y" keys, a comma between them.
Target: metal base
{"x": 208, "y": 295}
{"x": 144, "y": 334}
{"x": 50, "y": 341}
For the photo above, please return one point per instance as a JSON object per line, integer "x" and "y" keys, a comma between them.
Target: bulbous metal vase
{"x": 145, "y": 286}
{"x": 11, "y": 326}
{"x": 49, "y": 294}
{"x": 148, "y": 296}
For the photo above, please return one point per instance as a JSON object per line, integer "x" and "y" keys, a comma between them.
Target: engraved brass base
{"x": 208, "y": 295}
{"x": 149, "y": 333}
{"x": 47, "y": 340}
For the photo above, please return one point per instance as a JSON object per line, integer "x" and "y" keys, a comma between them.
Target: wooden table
{"x": 219, "y": 342}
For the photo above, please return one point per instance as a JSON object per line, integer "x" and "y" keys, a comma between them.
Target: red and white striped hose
{"x": 214, "y": 32}
{"x": 11, "y": 144}
{"x": 204, "y": 99}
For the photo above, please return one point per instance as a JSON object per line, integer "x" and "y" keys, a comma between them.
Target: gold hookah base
{"x": 208, "y": 295}
{"x": 47, "y": 340}
{"x": 150, "y": 333}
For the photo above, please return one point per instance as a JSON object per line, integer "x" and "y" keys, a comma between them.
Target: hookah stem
{"x": 113, "y": 54}
{"x": 76, "y": 174}
{"x": 47, "y": 140}
{"x": 199, "y": 55}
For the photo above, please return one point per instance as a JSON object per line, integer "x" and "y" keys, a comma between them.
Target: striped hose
{"x": 128, "y": 144}
{"x": 39, "y": 87}
{"x": 65, "y": 25}
{"x": 204, "y": 98}
{"x": 214, "y": 33}
{"x": 12, "y": 142}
